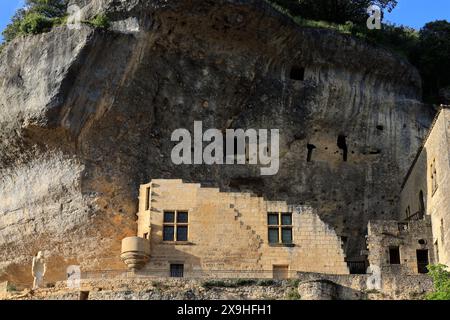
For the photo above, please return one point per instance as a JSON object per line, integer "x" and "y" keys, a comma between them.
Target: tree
{"x": 336, "y": 11}
{"x": 37, "y": 16}
{"x": 432, "y": 58}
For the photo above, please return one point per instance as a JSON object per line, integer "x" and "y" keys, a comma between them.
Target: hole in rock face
{"x": 422, "y": 241}
{"x": 311, "y": 148}
{"x": 297, "y": 73}
{"x": 342, "y": 144}
{"x": 380, "y": 127}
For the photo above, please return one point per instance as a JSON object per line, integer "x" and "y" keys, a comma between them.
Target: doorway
{"x": 422, "y": 261}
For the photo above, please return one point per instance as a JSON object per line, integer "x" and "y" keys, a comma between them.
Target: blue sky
{"x": 416, "y": 13}
{"x": 412, "y": 13}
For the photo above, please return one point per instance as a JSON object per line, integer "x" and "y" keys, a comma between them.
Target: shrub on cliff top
{"x": 100, "y": 21}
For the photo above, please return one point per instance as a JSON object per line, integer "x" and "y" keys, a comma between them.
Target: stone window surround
{"x": 280, "y": 227}
{"x": 175, "y": 224}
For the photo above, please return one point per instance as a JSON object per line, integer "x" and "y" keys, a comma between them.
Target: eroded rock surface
{"x": 86, "y": 116}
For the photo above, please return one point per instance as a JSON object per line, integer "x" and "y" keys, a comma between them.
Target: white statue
{"x": 38, "y": 270}
{"x": 374, "y": 281}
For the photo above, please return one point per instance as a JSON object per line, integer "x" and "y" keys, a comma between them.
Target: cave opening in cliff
{"x": 311, "y": 148}
{"x": 297, "y": 73}
{"x": 342, "y": 144}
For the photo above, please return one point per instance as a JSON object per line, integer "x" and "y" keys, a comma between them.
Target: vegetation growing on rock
{"x": 441, "y": 280}
{"x": 36, "y": 17}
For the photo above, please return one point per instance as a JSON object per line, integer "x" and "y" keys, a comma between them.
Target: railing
{"x": 419, "y": 215}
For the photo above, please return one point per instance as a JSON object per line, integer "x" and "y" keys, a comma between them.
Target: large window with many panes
{"x": 280, "y": 227}
{"x": 175, "y": 227}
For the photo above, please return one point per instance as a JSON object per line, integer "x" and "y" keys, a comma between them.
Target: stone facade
{"x": 229, "y": 232}
{"x": 396, "y": 247}
{"x": 426, "y": 188}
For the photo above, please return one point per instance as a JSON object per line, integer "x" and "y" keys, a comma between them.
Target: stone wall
{"x": 307, "y": 286}
{"x": 407, "y": 237}
{"x": 432, "y": 163}
{"x": 229, "y": 231}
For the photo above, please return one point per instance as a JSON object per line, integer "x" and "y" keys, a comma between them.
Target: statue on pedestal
{"x": 38, "y": 270}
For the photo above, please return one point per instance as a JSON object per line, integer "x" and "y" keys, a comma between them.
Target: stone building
{"x": 202, "y": 231}
{"x": 426, "y": 189}
{"x": 186, "y": 229}
{"x": 400, "y": 247}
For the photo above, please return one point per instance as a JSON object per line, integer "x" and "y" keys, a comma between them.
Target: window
{"x": 177, "y": 270}
{"x": 146, "y": 235}
{"x": 394, "y": 255}
{"x": 434, "y": 184}
{"x": 280, "y": 227}
{"x": 147, "y": 199}
{"x": 175, "y": 226}
{"x": 408, "y": 212}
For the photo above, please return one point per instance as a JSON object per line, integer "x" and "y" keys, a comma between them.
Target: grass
{"x": 292, "y": 294}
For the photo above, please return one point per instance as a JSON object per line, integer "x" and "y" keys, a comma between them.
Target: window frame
{"x": 395, "y": 249}
{"x": 280, "y": 227}
{"x": 175, "y": 224}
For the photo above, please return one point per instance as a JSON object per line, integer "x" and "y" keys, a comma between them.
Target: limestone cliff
{"x": 86, "y": 116}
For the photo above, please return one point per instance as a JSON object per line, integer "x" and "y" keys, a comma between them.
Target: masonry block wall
{"x": 229, "y": 232}
{"x": 386, "y": 237}
{"x": 428, "y": 185}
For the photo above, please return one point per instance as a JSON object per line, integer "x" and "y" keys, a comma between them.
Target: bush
{"x": 35, "y": 23}
{"x": 266, "y": 283}
{"x": 441, "y": 281}
{"x": 38, "y": 16}
{"x": 292, "y": 294}
{"x": 100, "y": 21}
{"x": 229, "y": 284}
{"x": 218, "y": 284}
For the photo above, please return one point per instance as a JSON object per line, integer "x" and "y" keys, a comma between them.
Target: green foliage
{"x": 217, "y": 284}
{"x": 11, "y": 287}
{"x": 432, "y": 58}
{"x": 266, "y": 282}
{"x": 35, "y": 23}
{"x": 13, "y": 29}
{"x": 428, "y": 50}
{"x": 441, "y": 280}
{"x": 292, "y": 294}
{"x": 38, "y": 16}
{"x": 100, "y": 21}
